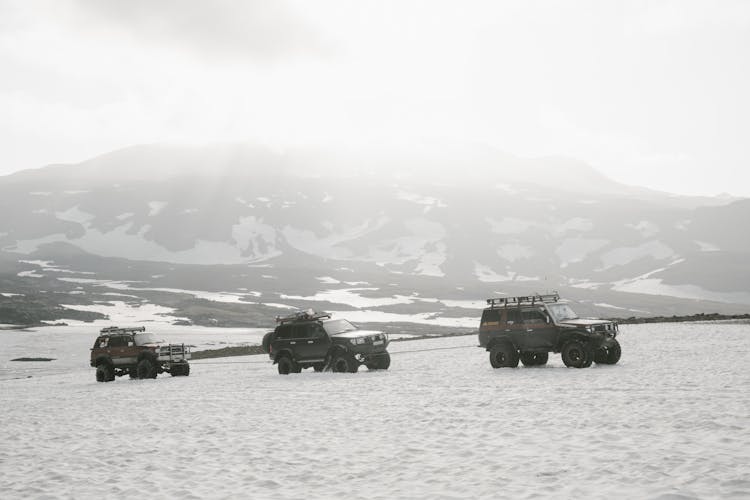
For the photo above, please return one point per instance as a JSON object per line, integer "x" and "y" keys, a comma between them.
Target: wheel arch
{"x": 282, "y": 353}
{"x": 103, "y": 360}
{"x": 500, "y": 340}
{"x": 150, "y": 355}
{"x": 337, "y": 349}
{"x": 568, "y": 336}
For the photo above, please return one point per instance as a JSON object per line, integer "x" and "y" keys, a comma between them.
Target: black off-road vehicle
{"x": 528, "y": 328}
{"x": 131, "y": 351}
{"x": 309, "y": 339}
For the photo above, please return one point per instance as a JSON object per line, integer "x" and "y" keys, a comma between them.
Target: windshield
{"x": 561, "y": 312}
{"x": 147, "y": 338}
{"x": 336, "y": 326}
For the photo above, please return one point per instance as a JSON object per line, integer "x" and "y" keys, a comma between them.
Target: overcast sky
{"x": 652, "y": 93}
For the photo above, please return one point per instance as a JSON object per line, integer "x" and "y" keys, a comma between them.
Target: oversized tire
{"x": 266, "y": 344}
{"x": 534, "y": 358}
{"x": 600, "y": 356}
{"x": 180, "y": 370}
{"x": 286, "y": 365}
{"x": 105, "y": 373}
{"x": 608, "y": 355}
{"x": 380, "y": 362}
{"x": 504, "y": 355}
{"x": 542, "y": 358}
{"x": 146, "y": 369}
{"x": 344, "y": 363}
{"x": 577, "y": 354}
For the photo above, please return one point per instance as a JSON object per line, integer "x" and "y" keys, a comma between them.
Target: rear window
{"x": 491, "y": 316}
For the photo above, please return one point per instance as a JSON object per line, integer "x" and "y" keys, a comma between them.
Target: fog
{"x": 649, "y": 93}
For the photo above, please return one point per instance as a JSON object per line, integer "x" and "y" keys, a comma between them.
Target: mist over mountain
{"x": 441, "y": 222}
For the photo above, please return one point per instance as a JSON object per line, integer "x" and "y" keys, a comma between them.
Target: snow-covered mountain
{"x": 467, "y": 221}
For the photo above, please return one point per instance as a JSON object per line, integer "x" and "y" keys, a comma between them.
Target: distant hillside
{"x": 457, "y": 223}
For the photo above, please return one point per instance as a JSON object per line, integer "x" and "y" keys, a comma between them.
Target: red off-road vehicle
{"x": 131, "y": 351}
{"x": 528, "y": 328}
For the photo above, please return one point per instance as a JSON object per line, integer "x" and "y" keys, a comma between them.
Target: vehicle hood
{"x": 356, "y": 333}
{"x": 154, "y": 344}
{"x": 585, "y": 322}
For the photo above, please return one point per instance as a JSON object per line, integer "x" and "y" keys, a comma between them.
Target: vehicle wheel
{"x": 380, "y": 362}
{"x": 104, "y": 373}
{"x": 146, "y": 369}
{"x": 180, "y": 370}
{"x": 132, "y": 373}
{"x": 577, "y": 354}
{"x": 344, "y": 363}
{"x": 286, "y": 365}
{"x": 266, "y": 344}
{"x": 542, "y": 358}
{"x": 609, "y": 355}
{"x": 600, "y": 355}
{"x": 534, "y": 358}
{"x": 503, "y": 355}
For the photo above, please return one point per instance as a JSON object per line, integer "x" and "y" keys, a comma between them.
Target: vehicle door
{"x": 539, "y": 330}
{"x": 316, "y": 341}
{"x": 283, "y": 339}
{"x": 130, "y": 351}
{"x": 117, "y": 347}
{"x": 514, "y": 327}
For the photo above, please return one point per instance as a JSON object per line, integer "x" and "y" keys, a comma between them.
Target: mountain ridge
{"x": 253, "y": 206}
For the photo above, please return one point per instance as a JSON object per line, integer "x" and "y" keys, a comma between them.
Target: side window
{"x": 301, "y": 331}
{"x": 491, "y": 317}
{"x": 513, "y": 316}
{"x": 533, "y": 316}
{"x": 118, "y": 341}
{"x": 317, "y": 331}
{"x": 101, "y": 342}
{"x": 284, "y": 332}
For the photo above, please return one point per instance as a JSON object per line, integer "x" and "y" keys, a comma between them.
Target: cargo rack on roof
{"x": 523, "y": 299}
{"x": 117, "y": 329}
{"x": 307, "y": 315}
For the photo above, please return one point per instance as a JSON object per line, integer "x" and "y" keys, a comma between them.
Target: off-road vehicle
{"x": 528, "y": 328}
{"x": 309, "y": 339}
{"x": 131, "y": 351}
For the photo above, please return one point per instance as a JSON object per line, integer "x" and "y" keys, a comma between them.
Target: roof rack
{"x": 306, "y": 315}
{"x": 523, "y": 299}
{"x": 117, "y": 329}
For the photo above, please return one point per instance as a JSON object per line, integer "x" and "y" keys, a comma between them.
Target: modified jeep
{"x": 131, "y": 351}
{"x": 309, "y": 339}
{"x": 528, "y": 328}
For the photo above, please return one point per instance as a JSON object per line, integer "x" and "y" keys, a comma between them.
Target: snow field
{"x": 669, "y": 421}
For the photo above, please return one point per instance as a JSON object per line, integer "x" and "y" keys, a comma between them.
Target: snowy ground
{"x": 672, "y": 420}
